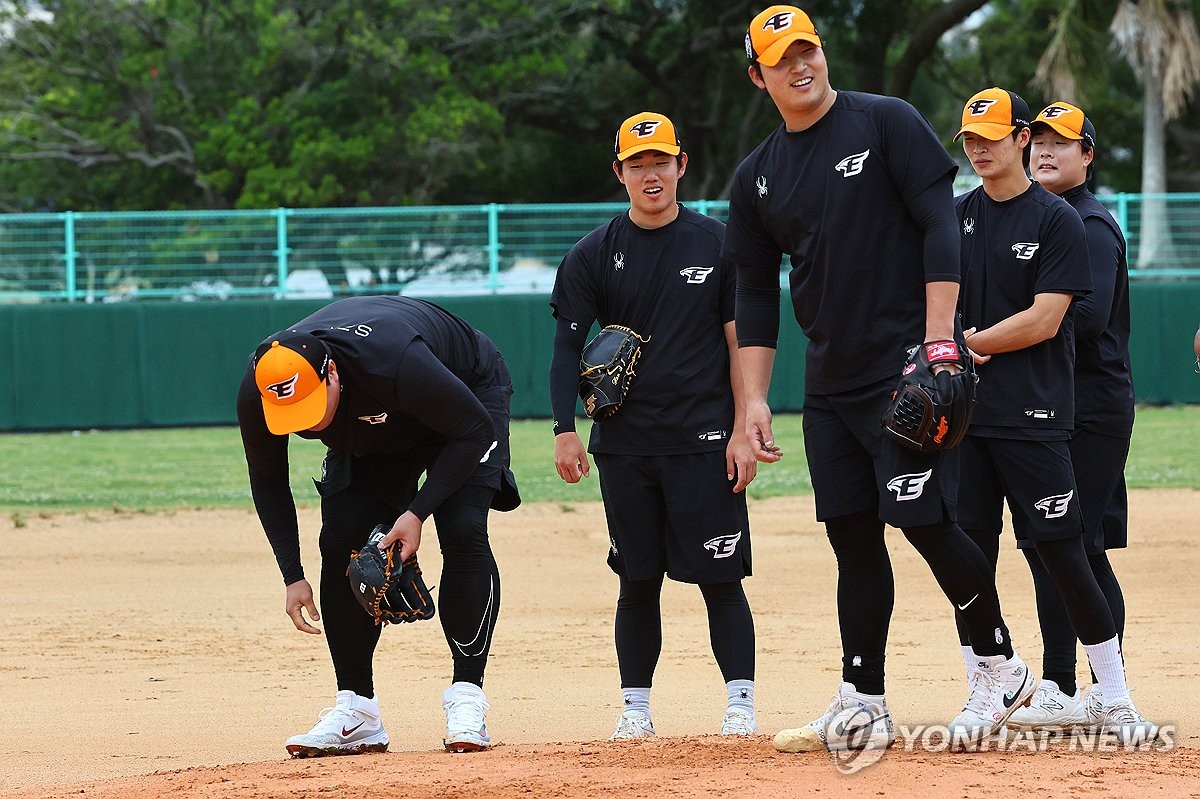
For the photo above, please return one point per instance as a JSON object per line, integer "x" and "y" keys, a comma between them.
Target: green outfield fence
{"x": 291, "y": 253}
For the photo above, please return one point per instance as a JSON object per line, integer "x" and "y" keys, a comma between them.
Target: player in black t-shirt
{"x": 1062, "y": 153}
{"x": 394, "y": 387}
{"x": 1024, "y": 260}
{"x": 674, "y": 460}
{"x": 857, "y": 191}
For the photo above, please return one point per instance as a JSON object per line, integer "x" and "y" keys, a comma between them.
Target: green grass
{"x": 152, "y": 470}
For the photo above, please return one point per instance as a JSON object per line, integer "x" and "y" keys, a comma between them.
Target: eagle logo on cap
{"x": 980, "y": 107}
{"x": 284, "y": 388}
{"x": 645, "y": 128}
{"x": 1055, "y": 111}
{"x": 780, "y": 21}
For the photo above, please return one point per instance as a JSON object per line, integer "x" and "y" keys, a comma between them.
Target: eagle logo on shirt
{"x": 696, "y": 274}
{"x": 761, "y": 184}
{"x": 1056, "y": 505}
{"x": 1025, "y": 249}
{"x": 852, "y": 165}
{"x": 378, "y": 418}
{"x": 618, "y": 261}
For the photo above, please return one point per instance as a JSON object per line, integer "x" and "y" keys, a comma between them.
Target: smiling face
{"x": 1057, "y": 162}
{"x": 651, "y": 179}
{"x": 798, "y": 83}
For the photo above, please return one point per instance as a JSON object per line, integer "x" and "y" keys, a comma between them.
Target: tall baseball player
{"x": 1062, "y": 159}
{"x": 857, "y": 191}
{"x": 674, "y": 460}
{"x": 1025, "y": 259}
{"x": 395, "y": 388}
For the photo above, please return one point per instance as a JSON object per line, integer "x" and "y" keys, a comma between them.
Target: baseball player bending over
{"x": 395, "y": 388}
{"x": 674, "y": 459}
{"x": 1025, "y": 259}
{"x": 857, "y": 191}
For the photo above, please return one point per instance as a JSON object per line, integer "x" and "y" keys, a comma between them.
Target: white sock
{"x": 968, "y": 656}
{"x": 636, "y": 699}
{"x": 1105, "y": 659}
{"x": 741, "y": 695}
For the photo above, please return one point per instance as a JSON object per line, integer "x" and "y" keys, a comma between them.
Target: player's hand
{"x": 406, "y": 530}
{"x": 740, "y": 461}
{"x": 300, "y": 598}
{"x": 570, "y": 457}
{"x": 758, "y": 431}
{"x": 975, "y": 356}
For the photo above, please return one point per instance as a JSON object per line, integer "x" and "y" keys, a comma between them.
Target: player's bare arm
{"x": 757, "y": 364}
{"x": 1032, "y": 326}
{"x": 739, "y": 455}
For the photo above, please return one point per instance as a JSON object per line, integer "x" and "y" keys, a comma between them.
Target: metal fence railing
{"x": 328, "y": 252}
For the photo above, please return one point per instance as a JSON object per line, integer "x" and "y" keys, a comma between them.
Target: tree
{"x": 1159, "y": 40}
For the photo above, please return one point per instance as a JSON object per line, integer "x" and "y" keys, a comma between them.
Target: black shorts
{"x": 1035, "y": 478}
{"x": 854, "y": 467}
{"x": 1099, "y": 463}
{"x": 675, "y": 515}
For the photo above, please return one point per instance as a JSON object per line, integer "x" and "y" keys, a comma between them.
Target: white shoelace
{"x": 334, "y": 720}
{"x": 466, "y": 713}
{"x": 737, "y": 722}
{"x": 983, "y": 688}
{"x": 633, "y": 726}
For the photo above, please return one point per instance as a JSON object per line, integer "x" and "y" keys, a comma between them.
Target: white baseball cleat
{"x": 466, "y": 729}
{"x": 739, "y": 722}
{"x": 999, "y": 686}
{"x": 351, "y": 727}
{"x": 813, "y": 736}
{"x": 633, "y": 724}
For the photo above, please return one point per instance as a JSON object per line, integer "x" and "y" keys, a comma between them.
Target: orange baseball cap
{"x": 1067, "y": 120}
{"x": 646, "y": 131}
{"x": 773, "y": 30}
{"x": 292, "y": 371}
{"x": 993, "y": 114}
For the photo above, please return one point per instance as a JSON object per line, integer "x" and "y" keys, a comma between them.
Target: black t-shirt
{"x": 409, "y": 372}
{"x": 1103, "y": 377}
{"x": 1011, "y": 251}
{"x": 666, "y": 284}
{"x": 836, "y": 199}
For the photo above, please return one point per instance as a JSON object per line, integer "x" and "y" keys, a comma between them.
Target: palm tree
{"x": 1159, "y": 40}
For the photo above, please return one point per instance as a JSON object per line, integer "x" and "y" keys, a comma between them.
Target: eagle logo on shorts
{"x": 909, "y": 486}
{"x": 723, "y": 545}
{"x": 696, "y": 274}
{"x": 1056, "y": 505}
{"x": 852, "y": 165}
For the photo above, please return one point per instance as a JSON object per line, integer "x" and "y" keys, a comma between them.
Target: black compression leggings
{"x": 639, "y": 630}
{"x": 468, "y": 598}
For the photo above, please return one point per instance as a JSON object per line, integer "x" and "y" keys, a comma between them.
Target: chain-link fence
{"x": 430, "y": 251}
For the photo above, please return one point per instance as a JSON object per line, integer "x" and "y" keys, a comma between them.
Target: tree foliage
{"x": 141, "y": 104}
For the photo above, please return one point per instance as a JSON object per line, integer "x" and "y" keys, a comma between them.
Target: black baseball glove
{"x": 606, "y": 370}
{"x": 931, "y": 412}
{"x": 389, "y": 591}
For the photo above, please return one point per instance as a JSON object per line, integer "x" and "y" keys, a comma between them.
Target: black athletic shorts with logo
{"x": 854, "y": 467}
{"x": 1036, "y": 479}
{"x": 674, "y": 514}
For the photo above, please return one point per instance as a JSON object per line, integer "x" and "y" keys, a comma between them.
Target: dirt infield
{"x": 148, "y": 655}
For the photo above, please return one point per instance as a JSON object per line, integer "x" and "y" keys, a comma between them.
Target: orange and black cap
{"x": 291, "y": 370}
{"x": 773, "y": 30}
